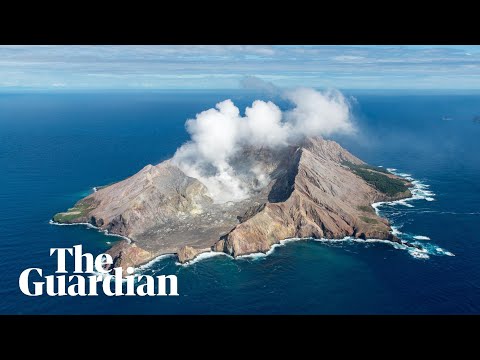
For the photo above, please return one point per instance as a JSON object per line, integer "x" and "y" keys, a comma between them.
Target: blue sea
{"x": 55, "y": 147}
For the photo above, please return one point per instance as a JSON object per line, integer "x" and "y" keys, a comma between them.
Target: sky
{"x": 224, "y": 67}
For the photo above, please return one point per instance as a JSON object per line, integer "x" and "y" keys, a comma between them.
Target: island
{"x": 316, "y": 189}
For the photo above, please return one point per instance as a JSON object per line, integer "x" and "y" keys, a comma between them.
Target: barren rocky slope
{"x": 316, "y": 189}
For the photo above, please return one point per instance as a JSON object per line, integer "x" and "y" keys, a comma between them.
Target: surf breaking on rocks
{"x": 419, "y": 190}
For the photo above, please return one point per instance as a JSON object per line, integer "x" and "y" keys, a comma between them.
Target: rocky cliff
{"x": 315, "y": 189}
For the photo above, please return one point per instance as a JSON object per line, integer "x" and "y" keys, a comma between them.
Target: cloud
{"x": 221, "y": 66}
{"x": 319, "y": 113}
{"x": 255, "y": 83}
{"x": 348, "y": 58}
{"x": 218, "y": 134}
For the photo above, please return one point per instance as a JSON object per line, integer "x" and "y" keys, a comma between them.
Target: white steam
{"x": 218, "y": 134}
{"x": 317, "y": 113}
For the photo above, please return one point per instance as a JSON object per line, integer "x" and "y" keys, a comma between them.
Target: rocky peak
{"x": 314, "y": 189}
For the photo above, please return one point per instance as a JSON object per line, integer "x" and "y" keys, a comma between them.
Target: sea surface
{"x": 55, "y": 147}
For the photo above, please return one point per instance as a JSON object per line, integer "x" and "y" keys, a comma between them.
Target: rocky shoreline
{"x": 317, "y": 189}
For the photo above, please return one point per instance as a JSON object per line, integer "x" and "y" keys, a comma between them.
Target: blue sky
{"x": 223, "y": 67}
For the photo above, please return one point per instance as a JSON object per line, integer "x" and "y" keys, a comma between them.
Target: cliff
{"x": 315, "y": 189}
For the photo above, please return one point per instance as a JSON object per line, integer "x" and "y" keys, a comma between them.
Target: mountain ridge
{"x": 315, "y": 190}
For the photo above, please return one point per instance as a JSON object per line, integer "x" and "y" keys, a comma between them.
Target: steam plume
{"x": 217, "y": 134}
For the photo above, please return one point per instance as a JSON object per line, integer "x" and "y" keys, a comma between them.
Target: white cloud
{"x": 319, "y": 113}
{"x": 348, "y": 58}
{"x": 218, "y": 134}
{"x": 219, "y": 66}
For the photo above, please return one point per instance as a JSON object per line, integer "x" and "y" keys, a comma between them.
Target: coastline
{"x": 416, "y": 251}
{"x": 402, "y": 244}
{"x": 105, "y": 232}
{"x": 415, "y": 189}
{"x": 89, "y": 225}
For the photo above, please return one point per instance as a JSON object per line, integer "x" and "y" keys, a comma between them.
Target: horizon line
{"x": 44, "y": 89}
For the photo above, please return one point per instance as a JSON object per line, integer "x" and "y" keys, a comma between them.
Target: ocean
{"x": 55, "y": 147}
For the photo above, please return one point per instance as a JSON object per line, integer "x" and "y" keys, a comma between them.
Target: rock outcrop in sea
{"x": 316, "y": 189}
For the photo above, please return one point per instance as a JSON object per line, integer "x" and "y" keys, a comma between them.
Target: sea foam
{"x": 152, "y": 262}
{"x": 420, "y": 191}
{"x": 202, "y": 256}
{"x": 88, "y": 225}
{"x": 395, "y": 230}
{"x": 419, "y": 254}
{"x": 421, "y": 237}
{"x": 258, "y": 255}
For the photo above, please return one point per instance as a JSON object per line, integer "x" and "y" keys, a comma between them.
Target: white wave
{"x": 376, "y": 206}
{"x": 202, "y": 256}
{"x": 352, "y": 239}
{"x": 388, "y": 242}
{"x": 421, "y": 237}
{"x": 95, "y": 189}
{"x": 395, "y": 230}
{"x": 444, "y": 252}
{"x": 418, "y": 189}
{"x": 140, "y": 268}
{"x": 419, "y": 254}
{"x": 401, "y": 202}
{"x": 153, "y": 261}
{"x": 51, "y": 222}
{"x": 258, "y": 255}
{"x": 102, "y": 276}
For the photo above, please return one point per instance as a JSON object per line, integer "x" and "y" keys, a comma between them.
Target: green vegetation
{"x": 365, "y": 167}
{"x": 367, "y": 209}
{"x": 368, "y": 220}
{"x": 382, "y": 183}
{"x": 79, "y": 210}
{"x": 374, "y": 176}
